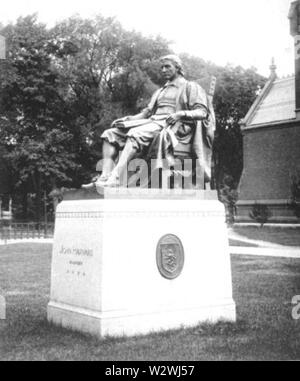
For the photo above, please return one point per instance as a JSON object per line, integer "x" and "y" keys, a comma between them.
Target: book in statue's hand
{"x": 129, "y": 123}
{"x": 120, "y": 120}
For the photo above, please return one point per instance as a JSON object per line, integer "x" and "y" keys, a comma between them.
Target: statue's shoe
{"x": 112, "y": 182}
{"x": 89, "y": 186}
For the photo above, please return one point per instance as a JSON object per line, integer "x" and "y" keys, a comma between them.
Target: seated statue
{"x": 179, "y": 112}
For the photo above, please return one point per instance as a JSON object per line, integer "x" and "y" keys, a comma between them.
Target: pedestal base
{"x": 126, "y": 266}
{"x": 114, "y": 324}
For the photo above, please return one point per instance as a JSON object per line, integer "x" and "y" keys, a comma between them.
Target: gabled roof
{"x": 275, "y": 104}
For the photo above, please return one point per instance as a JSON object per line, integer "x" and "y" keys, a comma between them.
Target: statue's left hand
{"x": 174, "y": 118}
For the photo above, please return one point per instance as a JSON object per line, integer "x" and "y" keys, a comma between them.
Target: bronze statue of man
{"x": 180, "y": 111}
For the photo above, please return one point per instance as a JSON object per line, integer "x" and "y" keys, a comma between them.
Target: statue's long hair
{"x": 176, "y": 62}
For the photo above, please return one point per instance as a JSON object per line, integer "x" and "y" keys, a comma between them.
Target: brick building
{"x": 271, "y": 138}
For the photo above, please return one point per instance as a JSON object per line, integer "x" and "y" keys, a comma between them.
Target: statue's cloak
{"x": 191, "y": 96}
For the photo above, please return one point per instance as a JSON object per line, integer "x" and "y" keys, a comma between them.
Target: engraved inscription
{"x": 75, "y": 266}
{"x": 170, "y": 256}
{"x": 76, "y": 251}
{"x": 76, "y": 263}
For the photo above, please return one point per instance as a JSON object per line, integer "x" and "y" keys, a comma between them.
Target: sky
{"x": 240, "y": 32}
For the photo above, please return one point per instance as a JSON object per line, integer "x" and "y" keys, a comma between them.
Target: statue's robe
{"x": 195, "y": 134}
{"x": 151, "y": 134}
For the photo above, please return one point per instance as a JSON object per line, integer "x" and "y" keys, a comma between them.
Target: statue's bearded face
{"x": 168, "y": 70}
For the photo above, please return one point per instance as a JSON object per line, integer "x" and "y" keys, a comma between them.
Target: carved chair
{"x": 184, "y": 151}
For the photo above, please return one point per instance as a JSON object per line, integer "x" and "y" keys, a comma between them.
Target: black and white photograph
{"x": 150, "y": 183}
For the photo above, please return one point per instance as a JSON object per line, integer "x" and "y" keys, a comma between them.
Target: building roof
{"x": 275, "y": 104}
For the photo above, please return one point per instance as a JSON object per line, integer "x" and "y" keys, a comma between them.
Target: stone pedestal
{"x": 132, "y": 263}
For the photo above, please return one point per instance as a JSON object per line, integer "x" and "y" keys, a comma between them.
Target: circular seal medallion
{"x": 169, "y": 256}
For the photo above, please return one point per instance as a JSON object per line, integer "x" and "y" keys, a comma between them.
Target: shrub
{"x": 295, "y": 194}
{"x": 260, "y": 213}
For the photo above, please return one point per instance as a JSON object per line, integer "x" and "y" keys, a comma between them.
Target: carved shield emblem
{"x": 170, "y": 256}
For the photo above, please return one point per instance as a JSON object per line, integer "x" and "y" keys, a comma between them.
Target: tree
{"x": 104, "y": 73}
{"x": 35, "y": 137}
{"x": 60, "y": 88}
{"x": 235, "y": 92}
{"x": 4, "y": 175}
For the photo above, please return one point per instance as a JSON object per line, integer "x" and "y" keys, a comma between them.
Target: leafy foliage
{"x": 61, "y": 87}
{"x": 235, "y": 92}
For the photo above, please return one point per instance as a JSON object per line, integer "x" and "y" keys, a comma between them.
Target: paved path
{"x": 237, "y": 237}
{"x": 286, "y": 252}
{"x": 265, "y": 248}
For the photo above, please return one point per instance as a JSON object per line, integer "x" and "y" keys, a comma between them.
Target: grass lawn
{"x": 263, "y": 289}
{"x": 289, "y": 236}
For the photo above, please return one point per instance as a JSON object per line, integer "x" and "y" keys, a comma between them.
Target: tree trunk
{"x": 38, "y": 197}
{"x": 25, "y": 206}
